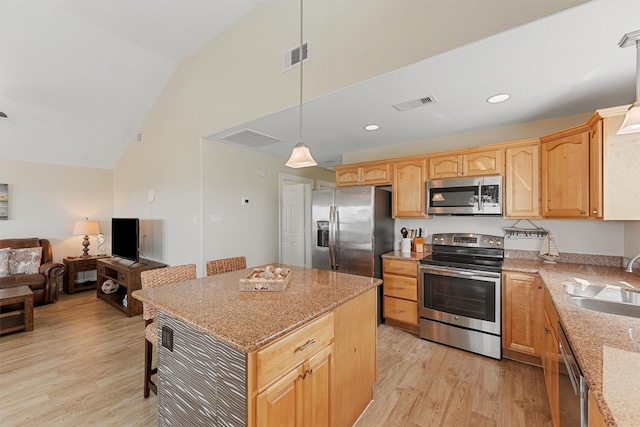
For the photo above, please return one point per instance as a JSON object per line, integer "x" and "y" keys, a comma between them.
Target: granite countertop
{"x": 408, "y": 256}
{"x": 607, "y": 346}
{"x": 249, "y": 320}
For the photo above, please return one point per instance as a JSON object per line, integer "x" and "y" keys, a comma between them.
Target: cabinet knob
{"x": 582, "y": 212}
{"x": 398, "y": 311}
{"x": 547, "y": 331}
{"x": 595, "y": 212}
{"x": 398, "y": 287}
{"x": 539, "y": 286}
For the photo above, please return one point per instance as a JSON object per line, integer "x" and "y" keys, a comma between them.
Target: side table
{"x": 21, "y": 319}
{"x": 75, "y": 265}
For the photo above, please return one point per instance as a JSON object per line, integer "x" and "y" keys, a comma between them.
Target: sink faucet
{"x": 629, "y": 268}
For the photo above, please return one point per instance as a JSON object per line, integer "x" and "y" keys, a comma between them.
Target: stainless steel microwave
{"x": 465, "y": 196}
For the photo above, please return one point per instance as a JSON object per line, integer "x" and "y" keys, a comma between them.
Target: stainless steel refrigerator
{"x": 352, "y": 227}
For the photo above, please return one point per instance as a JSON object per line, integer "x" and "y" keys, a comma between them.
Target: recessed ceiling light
{"x": 498, "y": 98}
{"x": 371, "y": 127}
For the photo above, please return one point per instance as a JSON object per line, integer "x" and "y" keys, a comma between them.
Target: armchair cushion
{"x": 4, "y": 262}
{"x": 25, "y": 260}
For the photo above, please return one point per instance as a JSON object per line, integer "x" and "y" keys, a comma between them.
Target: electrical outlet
{"x": 215, "y": 218}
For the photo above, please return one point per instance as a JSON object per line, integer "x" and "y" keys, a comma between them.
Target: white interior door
{"x": 292, "y": 226}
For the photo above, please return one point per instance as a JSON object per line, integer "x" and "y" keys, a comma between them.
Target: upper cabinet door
{"x": 346, "y": 177}
{"x": 408, "y": 189}
{"x": 565, "y": 176}
{"x": 482, "y": 163}
{"x": 448, "y": 166}
{"x": 376, "y": 174}
{"x": 522, "y": 181}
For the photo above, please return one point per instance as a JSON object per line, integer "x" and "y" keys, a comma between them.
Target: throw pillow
{"x": 4, "y": 262}
{"x": 25, "y": 260}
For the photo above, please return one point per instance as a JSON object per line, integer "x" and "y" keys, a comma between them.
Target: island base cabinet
{"x": 191, "y": 391}
{"x": 302, "y": 397}
{"x": 320, "y": 374}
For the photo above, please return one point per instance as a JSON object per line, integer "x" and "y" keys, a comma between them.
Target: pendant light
{"x": 300, "y": 156}
{"x": 631, "y": 123}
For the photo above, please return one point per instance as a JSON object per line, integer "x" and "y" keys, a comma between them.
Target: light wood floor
{"x": 82, "y": 366}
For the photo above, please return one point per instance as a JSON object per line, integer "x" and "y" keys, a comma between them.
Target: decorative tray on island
{"x": 266, "y": 279}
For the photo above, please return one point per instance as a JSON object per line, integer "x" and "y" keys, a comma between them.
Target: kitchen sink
{"x": 603, "y": 306}
{"x": 611, "y": 300}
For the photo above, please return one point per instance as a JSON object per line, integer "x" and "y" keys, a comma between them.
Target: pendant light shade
{"x": 300, "y": 156}
{"x": 631, "y": 123}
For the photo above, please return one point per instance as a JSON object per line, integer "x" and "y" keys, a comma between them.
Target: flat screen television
{"x": 125, "y": 238}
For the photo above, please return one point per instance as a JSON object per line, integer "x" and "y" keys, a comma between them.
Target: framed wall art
{"x": 4, "y": 201}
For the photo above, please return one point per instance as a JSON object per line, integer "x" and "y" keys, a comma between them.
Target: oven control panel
{"x": 468, "y": 240}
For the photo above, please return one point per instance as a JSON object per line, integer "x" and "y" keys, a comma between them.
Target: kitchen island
{"x": 607, "y": 346}
{"x": 227, "y": 357}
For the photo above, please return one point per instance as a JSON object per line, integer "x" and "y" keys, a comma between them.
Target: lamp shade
{"x": 631, "y": 123}
{"x": 85, "y": 227}
{"x": 300, "y": 157}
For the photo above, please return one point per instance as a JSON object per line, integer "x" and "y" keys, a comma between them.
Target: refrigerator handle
{"x": 336, "y": 239}
{"x": 332, "y": 239}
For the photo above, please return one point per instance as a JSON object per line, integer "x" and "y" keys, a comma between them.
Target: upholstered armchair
{"x": 44, "y": 282}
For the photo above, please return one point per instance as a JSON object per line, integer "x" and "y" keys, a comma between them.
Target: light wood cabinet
{"x": 550, "y": 358}
{"x": 522, "y": 312}
{"x": 300, "y": 397}
{"x": 472, "y": 163}
{"x": 400, "y": 288}
{"x": 523, "y": 296}
{"x": 594, "y": 417}
{"x": 447, "y": 166}
{"x": 378, "y": 173}
{"x": 408, "y": 188}
{"x": 294, "y": 377}
{"x": 522, "y": 181}
{"x": 565, "y": 176}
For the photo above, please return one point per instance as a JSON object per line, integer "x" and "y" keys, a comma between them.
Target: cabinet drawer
{"x": 406, "y": 268}
{"x": 273, "y": 360}
{"x": 401, "y": 310}
{"x": 400, "y": 287}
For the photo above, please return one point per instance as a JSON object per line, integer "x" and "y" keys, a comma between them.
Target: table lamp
{"x": 86, "y": 227}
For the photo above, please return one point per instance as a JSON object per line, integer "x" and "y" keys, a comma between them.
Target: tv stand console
{"x": 127, "y": 276}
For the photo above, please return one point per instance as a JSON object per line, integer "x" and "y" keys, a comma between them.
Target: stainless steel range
{"x": 460, "y": 292}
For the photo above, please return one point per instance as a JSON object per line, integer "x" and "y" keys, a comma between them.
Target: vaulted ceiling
{"x": 78, "y": 77}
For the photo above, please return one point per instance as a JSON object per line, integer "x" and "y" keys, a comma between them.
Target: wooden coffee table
{"x": 21, "y": 319}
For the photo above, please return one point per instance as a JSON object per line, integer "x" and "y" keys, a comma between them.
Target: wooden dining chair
{"x": 152, "y": 279}
{"x": 219, "y": 266}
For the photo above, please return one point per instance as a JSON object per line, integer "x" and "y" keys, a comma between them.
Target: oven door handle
{"x": 452, "y": 272}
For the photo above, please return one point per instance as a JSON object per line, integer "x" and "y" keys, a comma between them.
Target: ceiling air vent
{"x": 251, "y": 138}
{"x": 409, "y": 105}
{"x": 291, "y": 57}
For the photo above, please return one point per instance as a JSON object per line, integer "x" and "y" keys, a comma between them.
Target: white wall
{"x": 631, "y": 239}
{"x": 45, "y": 200}
{"x": 573, "y": 236}
{"x": 231, "y": 173}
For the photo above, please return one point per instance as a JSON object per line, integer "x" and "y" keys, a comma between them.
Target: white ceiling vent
{"x": 251, "y": 138}
{"x": 291, "y": 57}
{"x": 404, "y": 106}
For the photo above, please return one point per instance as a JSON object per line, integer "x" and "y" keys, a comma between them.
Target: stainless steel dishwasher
{"x": 573, "y": 387}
